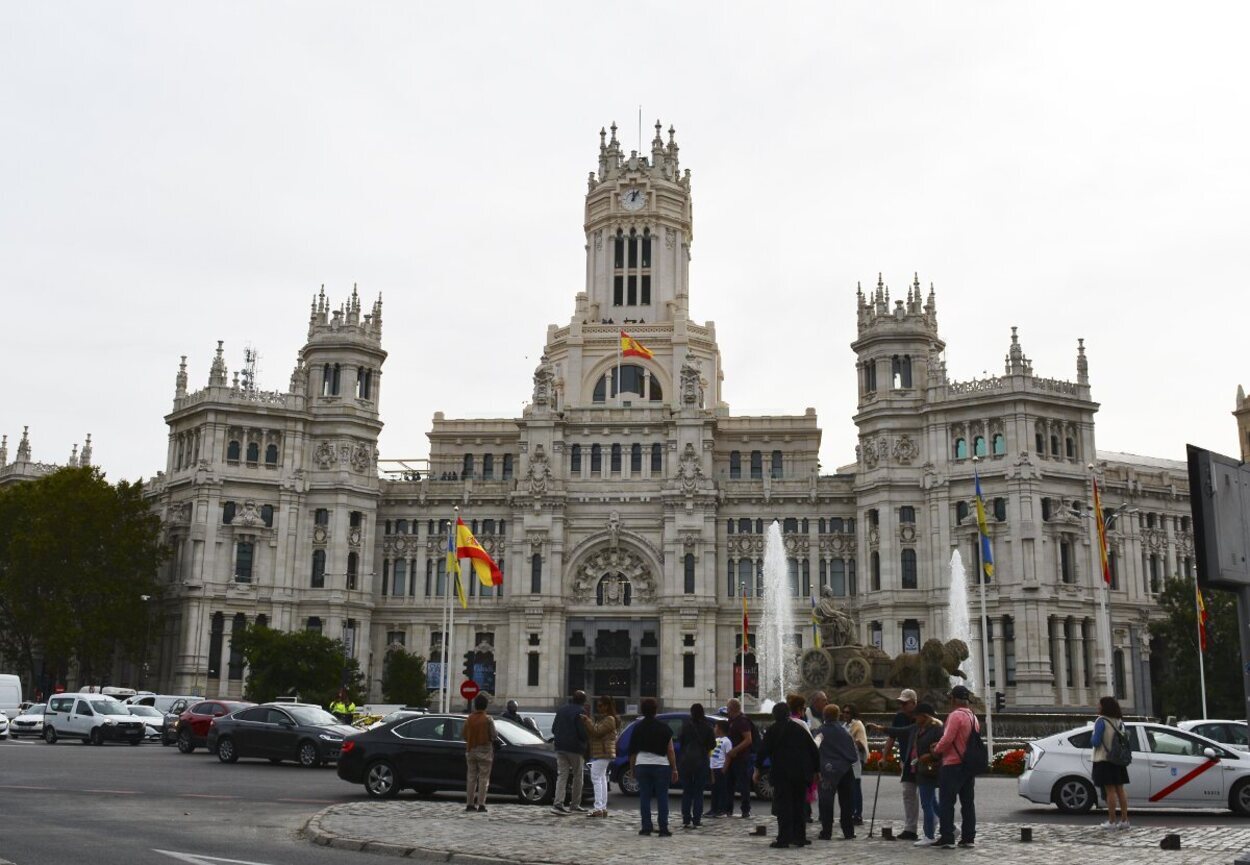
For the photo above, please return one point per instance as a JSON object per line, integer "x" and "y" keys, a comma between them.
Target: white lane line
{"x": 197, "y": 859}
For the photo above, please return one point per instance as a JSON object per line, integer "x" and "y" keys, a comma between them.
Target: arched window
{"x": 596, "y": 459}
{"x": 908, "y": 562}
{"x": 634, "y": 379}
{"x": 227, "y": 513}
{"x": 978, "y": 446}
{"x": 635, "y": 459}
{"x": 253, "y": 452}
{"x": 321, "y": 517}
{"x": 776, "y": 464}
{"x": 735, "y": 465}
{"x": 327, "y": 380}
{"x": 216, "y": 636}
{"x": 488, "y": 467}
{"x": 353, "y": 570}
{"x": 507, "y": 467}
{"x": 238, "y": 626}
{"x": 319, "y": 569}
{"x": 757, "y": 465}
{"x": 536, "y": 573}
{"x": 466, "y": 471}
{"x": 233, "y": 450}
{"x": 1054, "y": 446}
{"x": 401, "y": 527}
{"x": 243, "y": 553}
{"x": 313, "y": 625}
{"x": 961, "y": 449}
{"x": 1039, "y": 442}
{"x": 657, "y": 459}
{"x": 610, "y": 583}
{"x": 999, "y": 444}
{"x": 874, "y": 562}
{"x": 900, "y": 372}
{"x": 271, "y": 455}
{"x": 790, "y": 524}
{"x": 688, "y": 574}
{"x": 575, "y": 460}
{"x": 961, "y": 513}
{"x": 615, "y": 458}
{"x": 401, "y": 577}
{"x": 1070, "y": 447}
{"x": 266, "y": 515}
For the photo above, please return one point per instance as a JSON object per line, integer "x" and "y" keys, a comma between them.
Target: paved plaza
{"x": 443, "y": 831}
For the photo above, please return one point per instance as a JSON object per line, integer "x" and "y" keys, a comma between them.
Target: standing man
{"x": 512, "y": 713}
{"x": 815, "y": 711}
{"x": 571, "y": 743}
{"x": 953, "y": 778}
{"x": 739, "y": 763}
{"x": 906, "y": 717}
{"x": 479, "y": 744}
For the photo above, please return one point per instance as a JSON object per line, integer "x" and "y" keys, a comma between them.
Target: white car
{"x": 1171, "y": 768}
{"x": 29, "y": 723}
{"x": 92, "y": 718}
{"x": 4, "y": 726}
{"x": 153, "y": 720}
{"x": 1230, "y": 733}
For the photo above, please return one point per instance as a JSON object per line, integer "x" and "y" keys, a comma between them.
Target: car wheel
{"x": 97, "y": 738}
{"x": 1074, "y": 796}
{"x": 627, "y": 782}
{"x": 308, "y": 755}
{"x": 764, "y": 789}
{"x": 185, "y": 745}
{"x": 535, "y": 785}
{"x": 226, "y": 752}
{"x": 380, "y": 780}
{"x": 49, "y": 735}
{"x": 1239, "y": 799}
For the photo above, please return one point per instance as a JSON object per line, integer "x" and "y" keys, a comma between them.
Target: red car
{"x": 193, "y": 724}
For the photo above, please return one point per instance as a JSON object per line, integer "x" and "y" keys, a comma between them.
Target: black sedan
{"x": 426, "y": 753}
{"x": 307, "y": 734}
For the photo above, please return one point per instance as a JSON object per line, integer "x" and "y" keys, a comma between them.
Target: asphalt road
{"x": 118, "y": 805}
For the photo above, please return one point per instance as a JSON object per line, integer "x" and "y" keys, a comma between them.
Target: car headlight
{"x": 109, "y": 722}
{"x": 329, "y": 738}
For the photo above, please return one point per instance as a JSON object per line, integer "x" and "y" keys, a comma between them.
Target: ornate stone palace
{"x": 627, "y": 505}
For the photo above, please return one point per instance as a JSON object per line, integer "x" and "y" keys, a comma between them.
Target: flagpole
{"x": 1202, "y": 673}
{"x": 451, "y": 608}
{"x": 442, "y": 678}
{"x": 618, "y": 369}
{"x": 1104, "y": 613}
{"x": 742, "y": 653}
{"x": 986, "y": 646}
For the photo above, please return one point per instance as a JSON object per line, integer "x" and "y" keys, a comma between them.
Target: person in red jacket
{"x": 953, "y": 778}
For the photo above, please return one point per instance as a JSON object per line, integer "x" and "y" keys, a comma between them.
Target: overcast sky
{"x": 172, "y": 174}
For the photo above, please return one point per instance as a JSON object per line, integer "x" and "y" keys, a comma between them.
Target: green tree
{"x": 76, "y": 556}
{"x": 300, "y": 664}
{"x": 403, "y": 678}
{"x": 1178, "y": 688}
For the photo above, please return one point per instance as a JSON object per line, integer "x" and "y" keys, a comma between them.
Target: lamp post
{"x": 1102, "y": 588}
{"x": 147, "y": 633}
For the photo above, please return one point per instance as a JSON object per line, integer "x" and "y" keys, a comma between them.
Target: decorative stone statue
{"x": 689, "y": 471}
{"x": 539, "y": 473}
{"x": 544, "y": 390}
{"x": 691, "y": 381}
{"x": 837, "y": 626}
{"x": 614, "y": 530}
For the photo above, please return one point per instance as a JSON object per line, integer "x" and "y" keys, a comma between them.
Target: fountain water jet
{"x": 958, "y": 624}
{"x": 773, "y": 651}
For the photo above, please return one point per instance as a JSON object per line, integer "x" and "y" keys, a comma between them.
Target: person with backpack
{"x": 1112, "y": 754}
{"x": 696, "y": 743}
{"x": 963, "y": 757}
{"x": 740, "y": 761}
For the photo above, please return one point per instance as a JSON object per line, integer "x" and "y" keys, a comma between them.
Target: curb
{"x": 313, "y": 832}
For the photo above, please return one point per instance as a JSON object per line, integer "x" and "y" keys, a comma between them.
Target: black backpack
{"x": 756, "y": 738}
{"x": 975, "y": 757}
{"x": 1119, "y": 753}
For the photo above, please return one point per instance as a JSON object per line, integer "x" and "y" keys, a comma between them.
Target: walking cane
{"x": 873, "y": 822}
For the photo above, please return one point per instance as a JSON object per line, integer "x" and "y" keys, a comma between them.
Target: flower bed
{"x": 1009, "y": 763}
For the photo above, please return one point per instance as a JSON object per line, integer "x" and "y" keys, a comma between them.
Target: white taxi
{"x": 1171, "y": 768}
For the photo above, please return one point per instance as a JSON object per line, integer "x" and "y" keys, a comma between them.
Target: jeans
{"x": 479, "y": 761}
{"x": 857, "y": 798}
{"x": 568, "y": 763}
{"x": 954, "y": 781}
{"x": 928, "y": 805}
{"x": 740, "y": 771}
{"x": 599, "y": 780}
{"x": 653, "y": 784}
{"x": 845, "y": 791}
{"x": 720, "y": 793}
{"x": 911, "y": 805}
{"x": 693, "y": 783}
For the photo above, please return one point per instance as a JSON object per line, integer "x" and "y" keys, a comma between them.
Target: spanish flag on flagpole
{"x": 631, "y": 347}
{"x": 453, "y": 567}
{"x": 467, "y": 547}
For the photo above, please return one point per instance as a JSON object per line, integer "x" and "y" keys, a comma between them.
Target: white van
{"x": 10, "y": 695}
{"x": 160, "y": 702}
{"x": 93, "y": 718}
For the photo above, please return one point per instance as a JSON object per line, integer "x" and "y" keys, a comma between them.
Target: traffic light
{"x": 469, "y": 659}
{"x": 1000, "y": 701}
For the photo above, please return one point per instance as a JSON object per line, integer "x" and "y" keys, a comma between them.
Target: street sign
{"x": 469, "y": 689}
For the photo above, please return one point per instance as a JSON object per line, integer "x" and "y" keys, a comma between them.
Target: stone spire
{"x": 4, "y": 451}
{"x": 1241, "y": 401}
{"x": 1082, "y": 364}
{"x": 73, "y": 457}
{"x": 217, "y": 374}
{"x": 84, "y": 458}
{"x": 180, "y": 380}
{"x": 1016, "y": 363}
{"x": 23, "y": 447}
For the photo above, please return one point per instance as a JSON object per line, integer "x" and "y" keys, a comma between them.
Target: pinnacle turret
{"x": 876, "y": 305}
{"x": 1016, "y": 363}
{"x": 73, "y": 457}
{"x": 217, "y": 373}
{"x": 23, "y": 447}
{"x": 1082, "y": 363}
{"x": 84, "y": 458}
{"x": 4, "y": 451}
{"x": 662, "y": 163}
{"x": 180, "y": 380}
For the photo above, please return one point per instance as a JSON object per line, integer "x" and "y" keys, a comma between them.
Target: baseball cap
{"x": 924, "y": 709}
{"x": 959, "y": 692}
{"x": 907, "y": 695}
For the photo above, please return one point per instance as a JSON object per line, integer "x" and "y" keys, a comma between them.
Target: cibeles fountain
{"x": 774, "y": 652}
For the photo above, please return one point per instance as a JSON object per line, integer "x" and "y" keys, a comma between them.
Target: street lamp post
{"x": 147, "y": 634}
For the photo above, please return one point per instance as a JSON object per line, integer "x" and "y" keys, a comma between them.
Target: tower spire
{"x": 217, "y": 373}
{"x": 1082, "y": 363}
{"x": 4, "y": 451}
{"x": 180, "y": 380}
{"x": 84, "y": 458}
{"x": 23, "y": 447}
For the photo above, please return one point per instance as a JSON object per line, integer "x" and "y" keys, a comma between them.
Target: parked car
{"x": 29, "y": 723}
{"x": 169, "y": 730}
{"x": 302, "y": 732}
{"x": 1171, "y": 768}
{"x": 4, "y": 726}
{"x": 93, "y": 718}
{"x": 426, "y": 753}
{"x": 619, "y": 771}
{"x": 1232, "y": 734}
{"x": 153, "y": 721}
{"x": 193, "y": 724}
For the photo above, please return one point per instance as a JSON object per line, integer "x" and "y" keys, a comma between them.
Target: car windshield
{"x": 37, "y": 709}
{"x": 108, "y": 707}
{"x": 514, "y": 734}
{"x": 145, "y": 711}
{"x": 310, "y": 715}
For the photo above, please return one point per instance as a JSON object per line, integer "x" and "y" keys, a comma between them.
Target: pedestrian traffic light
{"x": 469, "y": 659}
{"x": 1000, "y": 701}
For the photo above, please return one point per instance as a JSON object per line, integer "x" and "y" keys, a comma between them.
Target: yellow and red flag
{"x": 453, "y": 567}
{"x": 746, "y": 624}
{"x": 1102, "y": 536}
{"x": 467, "y": 547}
{"x": 1202, "y": 621}
{"x": 631, "y": 347}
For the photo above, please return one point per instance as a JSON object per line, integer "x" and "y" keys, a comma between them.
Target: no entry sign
{"x": 469, "y": 689}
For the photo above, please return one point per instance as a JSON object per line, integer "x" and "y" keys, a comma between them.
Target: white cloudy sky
{"x": 172, "y": 174}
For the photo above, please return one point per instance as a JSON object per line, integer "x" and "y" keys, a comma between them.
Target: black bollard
{"x": 1026, "y": 835}
{"x": 887, "y": 834}
{"x": 1171, "y": 841}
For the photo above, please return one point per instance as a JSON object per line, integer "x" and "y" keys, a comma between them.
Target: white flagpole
{"x": 442, "y": 678}
{"x": 1202, "y": 673}
{"x": 986, "y": 645}
{"x": 742, "y": 651}
{"x": 618, "y": 369}
{"x": 451, "y": 607}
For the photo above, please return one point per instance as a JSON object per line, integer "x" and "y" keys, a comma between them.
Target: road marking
{"x": 310, "y": 801}
{"x": 205, "y": 796}
{"x": 1182, "y": 781}
{"x": 23, "y": 787}
{"x": 115, "y": 792}
{"x": 197, "y": 859}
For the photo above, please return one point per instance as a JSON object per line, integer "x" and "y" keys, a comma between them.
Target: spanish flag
{"x": 631, "y": 347}
{"x": 453, "y": 568}
{"x": 1202, "y": 622}
{"x": 1102, "y": 536}
{"x": 467, "y": 547}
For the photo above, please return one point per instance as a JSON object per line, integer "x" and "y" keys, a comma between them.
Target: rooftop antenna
{"x": 640, "y": 129}
{"x": 250, "y": 357}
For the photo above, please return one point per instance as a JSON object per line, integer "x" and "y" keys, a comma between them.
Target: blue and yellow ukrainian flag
{"x": 987, "y": 557}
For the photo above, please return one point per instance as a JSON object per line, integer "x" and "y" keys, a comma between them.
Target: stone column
{"x": 1000, "y": 658}
{"x": 1078, "y": 663}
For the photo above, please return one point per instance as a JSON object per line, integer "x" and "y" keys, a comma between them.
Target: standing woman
{"x": 854, "y": 726}
{"x": 1111, "y": 777}
{"x": 602, "y": 734}
{"x": 696, "y": 741}
{"x": 654, "y": 765}
{"x": 794, "y": 762}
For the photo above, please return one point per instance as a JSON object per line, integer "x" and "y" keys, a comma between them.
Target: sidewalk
{"x": 525, "y": 835}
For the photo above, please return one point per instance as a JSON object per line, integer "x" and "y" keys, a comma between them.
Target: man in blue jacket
{"x": 570, "y": 743}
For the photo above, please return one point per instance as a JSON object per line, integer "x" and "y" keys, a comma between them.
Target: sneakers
{"x": 578, "y": 808}
{"x": 1108, "y": 825}
{"x": 945, "y": 844}
{"x": 470, "y": 808}
{"x": 1122, "y": 825}
{"x": 664, "y": 833}
{"x": 966, "y": 845}
{"x": 559, "y": 808}
{"x": 925, "y": 842}
{"x": 481, "y": 809}
{"x": 644, "y": 831}
{"x": 907, "y": 836}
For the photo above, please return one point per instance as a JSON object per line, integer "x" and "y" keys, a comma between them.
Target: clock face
{"x": 633, "y": 199}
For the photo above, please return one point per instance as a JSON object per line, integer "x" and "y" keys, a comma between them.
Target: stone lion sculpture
{"x": 932, "y": 667}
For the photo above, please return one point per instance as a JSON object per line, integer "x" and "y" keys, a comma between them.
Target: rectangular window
{"x": 386, "y": 576}
{"x": 837, "y": 577}
{"x": 618, "y": 290}
{"x": 909, "y": 569}
{"x": 757, "y": 465}
{"x": 243, "y": 563}
{"x": 657, "y": 459}
{"x": 531, "y": 678}
{"x": 646, "y": 289}
{"x": 536, "y": 573}
{"x": 635, "y": 459}
{"x": 616, "y": 459}
{"x": 688, "y": 574}
{"x": 687, "y": 671}
{"x": 631, "y": 290}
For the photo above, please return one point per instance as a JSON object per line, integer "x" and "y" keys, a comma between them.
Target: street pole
{"x": 147, "y": 636}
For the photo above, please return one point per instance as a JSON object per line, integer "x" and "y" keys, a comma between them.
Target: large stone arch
{"x": 619, "y": 552}
{"x": 604, "y": 366}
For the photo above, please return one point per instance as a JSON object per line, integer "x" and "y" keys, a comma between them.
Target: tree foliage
{"x": 1178, "y": 689}
{"x": 76, "y": 556}
{"x": 403, "y": 678}
{"x": 301, "y": 664}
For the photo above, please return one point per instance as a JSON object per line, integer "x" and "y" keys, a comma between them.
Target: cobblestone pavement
{"x": 443, "y": 831}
